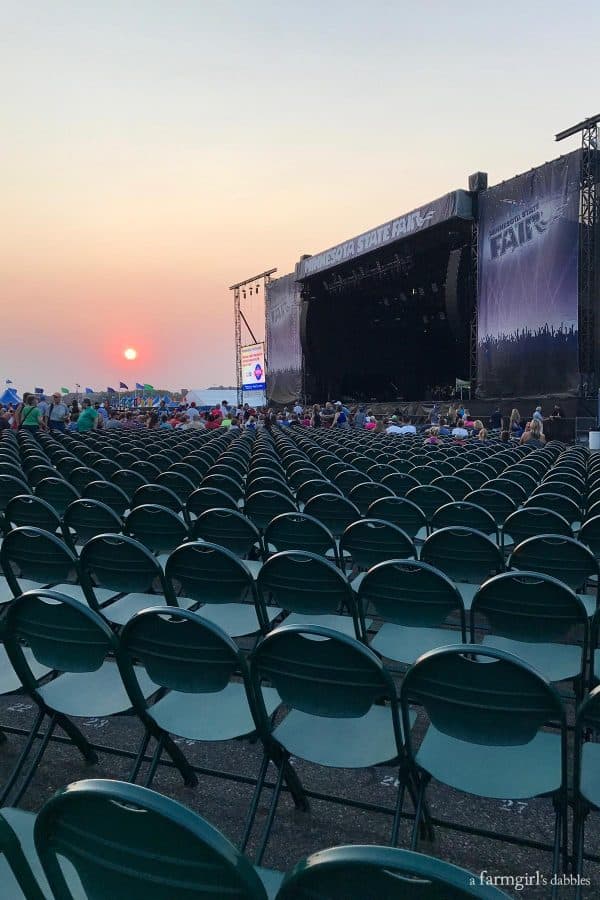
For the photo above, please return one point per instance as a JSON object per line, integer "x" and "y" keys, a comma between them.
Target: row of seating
{"x": 106, "y": 839}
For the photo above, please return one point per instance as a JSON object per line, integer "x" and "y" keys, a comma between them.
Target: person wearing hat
{"x": 340, "y": 419}
{"x": 394, "y": 426}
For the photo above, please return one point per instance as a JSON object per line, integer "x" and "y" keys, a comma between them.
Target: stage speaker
{"x": 478, "y": 181}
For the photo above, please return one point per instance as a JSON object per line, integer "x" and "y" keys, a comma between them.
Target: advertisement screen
{"x": 528, "y": 249}
{"x": 253, "y": 367}
{"x": 284, "y": 383}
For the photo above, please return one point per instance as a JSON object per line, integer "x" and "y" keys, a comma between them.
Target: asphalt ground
{"x": 224, "y": 803}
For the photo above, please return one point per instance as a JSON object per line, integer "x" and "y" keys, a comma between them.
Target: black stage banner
{"x": 458, "y": 204}
{"x": 528, "y": 283}
{"x": 284, "y": 352}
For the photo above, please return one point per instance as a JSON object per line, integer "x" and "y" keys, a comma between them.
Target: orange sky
{"x": 154, "y": 155}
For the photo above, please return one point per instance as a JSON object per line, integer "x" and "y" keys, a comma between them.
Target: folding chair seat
{"x": 214, "y": 577}
{"x": 122, "y": 565}
{"x": 230, "y": 529}
{"x": 539, "y": 620}
{"x": 413, "y": 602}
{"x": 465, "y": 555}
{"x": 341, "y": 702}
{"x": 310, "y": 589}
{"x": 109, "y": 494}
{"x": 486, "y": 735}
{"x": 563, "y": 558}
{"x": 153, "y": 848}
{"x": 159, "y": 529}
{"x": 203, "y": 675}
{"x": 262, "y": 506}
{"x": 74, "y": 642}
{"x": 341, "y": 873}
{"x": 370, "y": 541}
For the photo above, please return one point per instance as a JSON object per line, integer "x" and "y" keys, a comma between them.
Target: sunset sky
{"x": 155, "y": 152}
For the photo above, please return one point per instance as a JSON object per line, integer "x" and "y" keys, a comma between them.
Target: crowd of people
{"x": 53, "y": 414}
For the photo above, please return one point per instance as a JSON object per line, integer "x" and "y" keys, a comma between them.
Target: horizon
{"x": 155, "y": 158}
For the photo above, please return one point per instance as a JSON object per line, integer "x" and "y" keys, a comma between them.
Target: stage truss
{"x": 242, "y": 291}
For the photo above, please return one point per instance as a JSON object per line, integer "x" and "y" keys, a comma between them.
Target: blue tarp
{"x": 10, "y": 396}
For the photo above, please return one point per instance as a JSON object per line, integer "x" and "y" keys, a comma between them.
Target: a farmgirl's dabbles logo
{"x": 525, "y": 227}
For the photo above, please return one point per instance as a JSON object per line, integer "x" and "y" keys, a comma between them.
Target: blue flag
{"x": 8, "y": 381}
{"x": 111, "y": 390}
{"x": 38, "y": 390}
{"x": 123, "y": 386}
{"x": 89, "y": 390}
{"x": 139, "y": 387}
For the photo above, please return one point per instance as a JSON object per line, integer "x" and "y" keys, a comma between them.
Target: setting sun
{"x": 130, "y": 353}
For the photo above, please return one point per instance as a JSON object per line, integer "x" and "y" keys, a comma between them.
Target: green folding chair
{"x": 204, "y": 679}
{"x": 75, "y": 643}
{"x": 222, "y": 583}
{"x": 109, "y": 494}
{"x": 563, "y": 558}
{"x": 341, "y": 706}
{"x": 311, "y": 590}
{"x": 359, "y": 872}
{"x": 486, "y": 735}
{"x": 370, "y": 541}
{"x": 57, "y": 492}
{"x": 123, "y": 566}
{"x": 153, "y": 848}
{"x": 465, "y": 555}
{"x": 412, "y": 603}
{"x": 586, "y": 784}
{"x": 297, "y": 531}
{"x": 159, "y": 529}
{"x": 229, "y": 528}
{"x": 537, "y": 618}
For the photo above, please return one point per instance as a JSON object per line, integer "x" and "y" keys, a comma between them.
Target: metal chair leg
{"x": 22, "y": 757}
{"x": 251, "y": 814}
{"x": 271, "y": 815}
{"x": 35, "y": 762}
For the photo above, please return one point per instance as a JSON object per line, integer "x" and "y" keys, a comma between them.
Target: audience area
{"x": 272, "y": 643}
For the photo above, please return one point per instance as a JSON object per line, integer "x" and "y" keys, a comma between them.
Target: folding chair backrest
{"x": 159, "y": 529}
{"x": 227, "y": 528}
{"x": 464, "y": 554}
{"x": 87, "y": 518}
{"x": 562, "y": 557}
{"x": 305, "y": 583}
{"x": 37, "y": 555}
{"x": 153, "y": 848}
{"x": 120, "y": 563}
{"x": 408, "y": 592}
{"x": 371, "y": 541}
{"x": 209, "y": 573}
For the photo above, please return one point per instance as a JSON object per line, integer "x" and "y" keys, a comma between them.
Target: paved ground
{"x": 224, "y": 803}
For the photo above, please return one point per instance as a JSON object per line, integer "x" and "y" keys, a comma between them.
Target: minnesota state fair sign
{"x": 253, "y": 367}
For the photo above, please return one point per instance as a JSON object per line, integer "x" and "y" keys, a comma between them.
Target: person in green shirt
{"x": 31, "y": 415}
{"x": 88, "y": 417}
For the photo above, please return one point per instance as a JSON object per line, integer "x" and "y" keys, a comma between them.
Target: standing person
{"x": 514, "y": 426}
{"x": 31, "y": 417}
{"x": 193, "y": 412}
{"x": 496, "y": 420}
{"x": 298, "y": 408}
{"x": 537, "y": 414}
{"x": 75, "y": 408}
{"x": 58, "y": 413}
{"x": 42, "y": 404}
{"x": 340, "y": 419}
{"x": 19, "y": 409}
{"x": 88, "y": 417}
{"x": 102, "y": 411}
{"x": 315, "y": 419}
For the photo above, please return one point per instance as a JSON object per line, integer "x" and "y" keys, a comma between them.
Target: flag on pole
{"x": 111, "y": 390}
{"x": 139, "y": 387}
{"x": 148, "y": 387}
{"x": 38, "y": 390}
{"x": 65, "y": 390}
{"x": 89, "y": 390}
{"x": 8, "y": 381}
{"x": 123, "y": 386}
